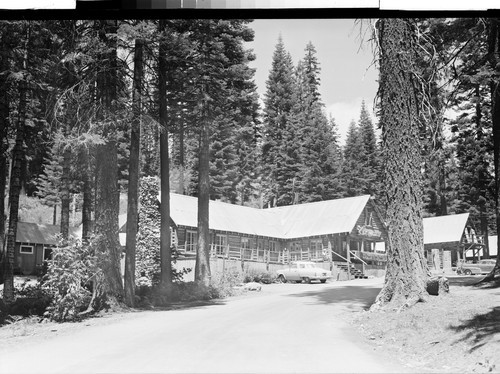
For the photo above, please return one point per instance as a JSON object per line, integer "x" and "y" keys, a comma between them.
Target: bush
{"x": 259, "y": 277}
{"x": 31, "y": 300}
{"x": 69, "y": 271}
{"x": 222, "y": 286}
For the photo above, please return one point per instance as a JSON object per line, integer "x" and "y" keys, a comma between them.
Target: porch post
{"x": 348, "y": 243}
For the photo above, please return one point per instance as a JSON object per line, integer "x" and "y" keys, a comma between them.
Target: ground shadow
{"x": 479, "y": 328}
{"x": 357, "y": 297}
{"x": 183, "y": 305}
{"x": 464, "y": 280}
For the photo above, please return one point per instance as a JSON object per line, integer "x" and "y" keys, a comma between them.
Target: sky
{"x": 348, "y": 74}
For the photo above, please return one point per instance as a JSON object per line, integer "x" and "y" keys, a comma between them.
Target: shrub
{"x": 259, "y": 276}
{"x": 223, "y": 285}
{"x": 68, "y": 275}
{"x": 148, "y": 237}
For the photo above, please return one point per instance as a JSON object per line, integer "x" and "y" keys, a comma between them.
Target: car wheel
{"x": 468, "y": 272}
{"x": 281, "y": 278}
{"x": 323, "y": 280}
{"x": 307, "y": 280}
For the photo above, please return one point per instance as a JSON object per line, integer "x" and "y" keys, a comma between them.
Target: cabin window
{"x": 47, "y": 253}
{"x": 272, "y": 246}
{"x": 191, "y": 240}
{"x": 245, "y": 243}
{"x": 26, "y": 249}
{"x": 220, "y": 243}
{"x": 316, "y": 245}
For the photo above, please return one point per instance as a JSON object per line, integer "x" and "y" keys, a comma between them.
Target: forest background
{"x": 84, "y": 99}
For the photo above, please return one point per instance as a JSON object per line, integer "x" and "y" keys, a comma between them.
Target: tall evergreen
{"x": 318, "y": 175}
{"x": 352, "y": 166}
{"x": 279, "y": 149}
{"x": 370, "y": 154}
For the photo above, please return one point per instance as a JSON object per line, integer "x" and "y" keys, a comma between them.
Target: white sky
{"x": 347, "y": 72}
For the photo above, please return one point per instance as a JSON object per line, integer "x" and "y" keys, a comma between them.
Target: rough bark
{"x": 165, "y": 250}
{"x": 65, "y": 195}
{"x": 133, "y": 175}
{"x": 18, "y": 157}
{"x": 4, "y": 125}
{"x": 406, "y": 276}
{"x": 494, "y": 59}
{"x": 87, "y": 196}
{"x": 107, "y": 191}
{"x": 202, "y": 266}
{"x": 106, "y": 211}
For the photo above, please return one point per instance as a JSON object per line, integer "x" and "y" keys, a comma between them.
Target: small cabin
{"x": 34, "y": 244}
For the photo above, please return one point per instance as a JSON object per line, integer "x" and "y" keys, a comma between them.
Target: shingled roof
{"x": 444, "y": 229}
{"x": 288, "y": 222}
{"x": 38, "y": 233}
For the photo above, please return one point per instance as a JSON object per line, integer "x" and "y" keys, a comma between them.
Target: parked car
{"x": 303, "y": 271}
{"x": 481, "y": 267}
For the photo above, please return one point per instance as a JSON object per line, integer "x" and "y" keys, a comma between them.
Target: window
{"x": 316, "y": 245}
{"x": 245, "y": 243}
{"x": 220, "y": 244}
{"x": 191, "y": 240}
{"x": 26, "y": 249}
{"x": 47, "y": 253}
{"x": 272, "y": 246}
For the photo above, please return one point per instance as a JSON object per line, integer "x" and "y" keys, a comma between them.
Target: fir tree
{"x": 279, "y": 148}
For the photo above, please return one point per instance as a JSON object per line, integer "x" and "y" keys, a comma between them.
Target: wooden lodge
{"x": 342, "y": 230}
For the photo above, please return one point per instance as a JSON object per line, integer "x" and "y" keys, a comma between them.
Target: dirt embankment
{"x": 454, "y": 333}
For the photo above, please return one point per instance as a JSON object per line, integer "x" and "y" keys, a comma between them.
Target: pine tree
{"x": 279, "y": 149}
{"x": 317, "y": 177}
{"x": 352, "y": 166}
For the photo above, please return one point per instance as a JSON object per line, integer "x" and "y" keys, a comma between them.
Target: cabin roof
{"x": 444, "y": 229}
{"x": 287, "y": 222}
{"x": 38, "y": 233}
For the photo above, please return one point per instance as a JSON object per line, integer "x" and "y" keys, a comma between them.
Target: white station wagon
{"x": 303, "y": 271}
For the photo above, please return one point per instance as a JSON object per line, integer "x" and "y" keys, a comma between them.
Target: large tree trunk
{"x": 106, "y": 212}
{"x": 165, "y": 250}
{"x": 65, "y": 195}
{"x": 494, "y": 58}
{"x": 18, "y": 157}
{"x": 133, "y": 175}
{"x": 107, "y": 190}
{"x": 202, "y": 266}
{"x": 407, "y": 273}
{"x": 87, "y": 196}
{"x": 4, "y": 143}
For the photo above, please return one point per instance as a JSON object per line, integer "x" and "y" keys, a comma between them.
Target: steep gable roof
{"x": 296, "y": 221}
{"x": 444, "y": 229}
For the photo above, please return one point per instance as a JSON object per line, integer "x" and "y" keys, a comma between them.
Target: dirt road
{"x": 284, "y": 328}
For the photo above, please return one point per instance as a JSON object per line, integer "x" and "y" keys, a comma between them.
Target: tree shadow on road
{"x": 184, "y": 305}
{"x": 479, "y": 329}
{"x": 355, "y": 297}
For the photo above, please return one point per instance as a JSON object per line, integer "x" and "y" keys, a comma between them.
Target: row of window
{"x": 221, "y": 243}
{"x": 30, "y": 249}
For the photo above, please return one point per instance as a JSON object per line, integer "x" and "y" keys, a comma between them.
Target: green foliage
{"x": 279, "y": 144}
{"x": 69, "y": 272}
{"x": 148, "y": 236}
{"x": 222, "y": 286}
{"x": 32, "y": 209}
{"x": 265, "y": 277}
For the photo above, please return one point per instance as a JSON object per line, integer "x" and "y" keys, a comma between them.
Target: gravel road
{"x": 285, "y": 328}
